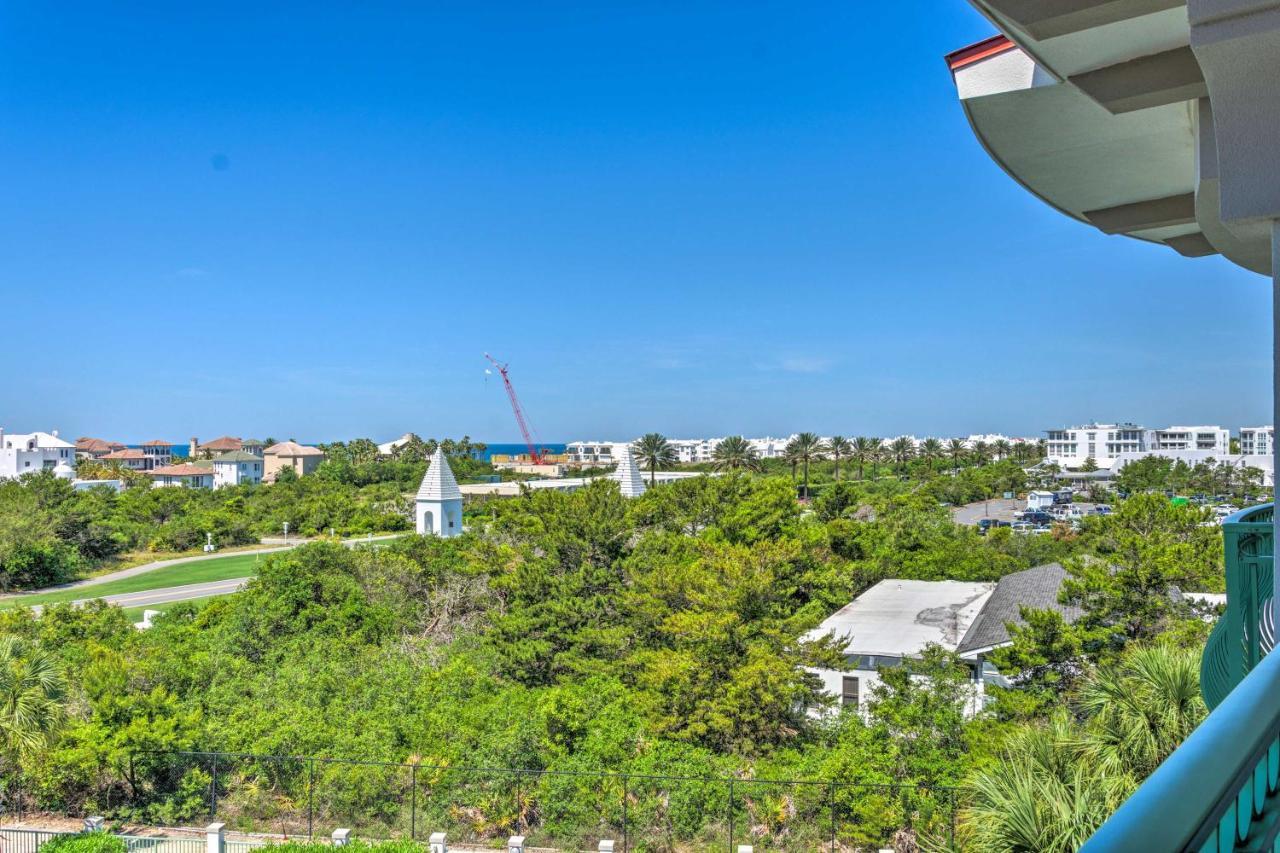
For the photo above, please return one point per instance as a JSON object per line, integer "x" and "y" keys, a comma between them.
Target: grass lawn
{"x": 134, "y": 614}
{"x": 214, "y": 569}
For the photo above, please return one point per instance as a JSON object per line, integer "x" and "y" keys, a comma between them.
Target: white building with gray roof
{"x": 897, "y": 619}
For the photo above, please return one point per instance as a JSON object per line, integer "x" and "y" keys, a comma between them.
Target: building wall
{"x": 1258, "y": 441}
{"x": 236, "y": 473}
{"x": 17, "y": 457}
{"x": 203, "y": 481}
{"x": 438, "y": 518}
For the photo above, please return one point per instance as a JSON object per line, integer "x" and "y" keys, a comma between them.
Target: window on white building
{"x": 849, "y": 690}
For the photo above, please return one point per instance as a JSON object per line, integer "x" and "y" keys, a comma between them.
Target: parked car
{"x": 1102, "y": 509}
{"x": 985, "y": 524}
{"x": 1037, "y": 517}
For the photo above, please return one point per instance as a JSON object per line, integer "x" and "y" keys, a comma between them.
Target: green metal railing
{"x": 1219, "y": 790}
{"x": 1244, "y": 634}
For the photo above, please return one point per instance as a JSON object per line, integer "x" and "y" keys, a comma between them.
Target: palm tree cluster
{"x": 1058, "y": 782}
{"x": 736, "y": 453}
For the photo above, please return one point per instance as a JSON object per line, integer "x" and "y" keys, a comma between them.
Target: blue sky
{"x": 699, "y": 219}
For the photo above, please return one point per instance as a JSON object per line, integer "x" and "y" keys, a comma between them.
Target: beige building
{"x": 289, "y": 454}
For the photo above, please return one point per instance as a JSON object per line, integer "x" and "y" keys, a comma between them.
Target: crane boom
{"x": 534, "y": 453}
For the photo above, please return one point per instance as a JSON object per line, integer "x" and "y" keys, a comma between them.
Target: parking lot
{"x": 999, "y": 509}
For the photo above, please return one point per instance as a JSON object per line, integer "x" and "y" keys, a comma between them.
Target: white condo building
{"x": 28, "y": 453}
{"x": 1257, "y": 441}
{"x": 1213, "y": 439}
{"x": 1102, "y": 443}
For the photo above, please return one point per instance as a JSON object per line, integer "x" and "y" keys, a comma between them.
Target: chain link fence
{"x": 299, "y": 796}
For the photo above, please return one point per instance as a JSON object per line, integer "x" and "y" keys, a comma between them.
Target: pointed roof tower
{"x": 628, "y": 476}
{"x": 439, "y": 484}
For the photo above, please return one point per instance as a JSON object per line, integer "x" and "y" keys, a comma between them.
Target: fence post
{"x": 341, "y": 837}
{"x": 519, "y": 799}
{"x": 953, "y": 818}
{"x": 515, "y": 844}
{"x": 413, "y": 802}
{"x": 215, "y": 838}
{"x": 213, "y": 789}
{"x": 437, "y": 844}
{"x": 831, "y": 792}
{"x": 731, "y": 813}
{"x": 626, "y": 794}
{"x": 93, "y": 824}
{"x": 311, "y": 796}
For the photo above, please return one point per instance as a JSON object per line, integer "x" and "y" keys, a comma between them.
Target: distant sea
{"x": 512, "y": 449}
{"x": 181, "y": 450}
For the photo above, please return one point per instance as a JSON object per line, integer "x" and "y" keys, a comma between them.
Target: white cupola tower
{"x": 627, "y": 475}
{"x": 438, "y": 506}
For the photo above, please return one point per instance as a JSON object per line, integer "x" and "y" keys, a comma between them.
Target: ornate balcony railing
{"x": 1218, "y": 790}
{"x": 1246, "y": 631}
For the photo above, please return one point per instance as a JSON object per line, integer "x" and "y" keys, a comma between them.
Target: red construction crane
{"x": 534, "y": 453}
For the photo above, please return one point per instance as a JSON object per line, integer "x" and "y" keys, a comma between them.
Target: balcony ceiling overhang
{"x": 1096, "y": 106}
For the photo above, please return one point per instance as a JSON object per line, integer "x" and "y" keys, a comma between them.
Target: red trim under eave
{"x": 971, "y": 54}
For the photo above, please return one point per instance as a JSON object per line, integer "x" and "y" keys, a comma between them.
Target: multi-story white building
{"x": 693, "y": 450}
{"x": 1102, "y": 443}
{"x": 235, "y": 468}
{"x": 1214, "y": 439}
{"x": 28, "y": 453}
{"x": 593, "y": 453}
{"x": 1257, "y": 441}
{"x": 769, "y": 447}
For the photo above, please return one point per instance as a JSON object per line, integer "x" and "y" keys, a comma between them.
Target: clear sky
{"x": 700, "y": 219}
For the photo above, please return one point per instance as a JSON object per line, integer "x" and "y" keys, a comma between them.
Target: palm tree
{"x": 1056, "y": 783}
{"x": 1001, "y": 448}
{"x": 931, "y": 450}
{"x": 864, "y": 450}
{"x": 1040, "y": 796}
{"x": 981, "y": 452}
{"x": 956, "y": 449}
{"x": 31, "y": 692}
{"x": 735, "y": 453}
{"x": 840, "y": 448}
{"x": 791, "y": 453}
{"x": 1142, "y": 708}
{"x": 901, "y": 449}
{"x": 805, "y": 448}
{"x": 653, "y": 450}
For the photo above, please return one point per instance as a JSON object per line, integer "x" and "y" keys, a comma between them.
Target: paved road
{"x": 168, "y": 595}
{"x": 160, "y": 564}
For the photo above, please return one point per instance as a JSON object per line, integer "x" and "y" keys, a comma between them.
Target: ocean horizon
{"x": 182, "y": 450}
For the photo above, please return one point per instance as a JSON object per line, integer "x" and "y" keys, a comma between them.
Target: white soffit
{"x": 1067, "y": 149}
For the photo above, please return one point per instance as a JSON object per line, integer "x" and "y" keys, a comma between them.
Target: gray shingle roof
{"x": 1036, "y": 588}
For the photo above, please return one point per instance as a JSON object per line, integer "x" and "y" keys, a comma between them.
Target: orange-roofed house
{"x": 186, "y": 475}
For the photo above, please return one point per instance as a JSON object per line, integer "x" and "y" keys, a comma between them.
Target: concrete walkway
{"x": 160, "y": 564}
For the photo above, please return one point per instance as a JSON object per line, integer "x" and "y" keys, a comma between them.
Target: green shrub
{"x": 86, "y": 842}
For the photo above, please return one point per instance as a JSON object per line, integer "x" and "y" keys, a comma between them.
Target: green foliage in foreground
{"x": 571, "y": 635}
{"x": 85, "y": 842}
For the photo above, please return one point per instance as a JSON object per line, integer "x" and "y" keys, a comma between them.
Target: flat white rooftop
{"x": 901, "y": 617}
{"x": 565, "y": 484}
